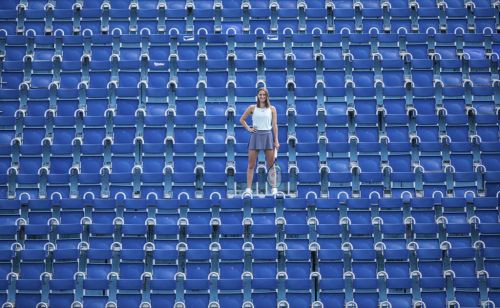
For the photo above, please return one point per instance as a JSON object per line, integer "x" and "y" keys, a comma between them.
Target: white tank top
{"x": 261, "y": 118}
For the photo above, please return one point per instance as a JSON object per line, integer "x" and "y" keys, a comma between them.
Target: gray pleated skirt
{"x": 261, "y": 140}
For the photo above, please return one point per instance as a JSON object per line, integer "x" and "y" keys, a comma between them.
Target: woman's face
{"x": 262, "y": 97}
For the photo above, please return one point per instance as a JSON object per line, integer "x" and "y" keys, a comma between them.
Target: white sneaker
{"x": 274, "y": 191}
{"x": 248, "y": 191}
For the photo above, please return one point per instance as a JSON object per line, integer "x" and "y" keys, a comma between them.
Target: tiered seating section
{"x": 122, "y": 159}
{"x": 304, "y": 252}
{"x": 358, "y": 113}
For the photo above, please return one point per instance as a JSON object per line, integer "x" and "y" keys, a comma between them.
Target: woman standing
{"x": 263, "y": 134}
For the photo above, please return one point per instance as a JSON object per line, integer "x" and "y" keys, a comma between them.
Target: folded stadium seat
{"x": 402, "y": 173}
{"x": 32, "y": 263}
{"x": 39, "y": 211}
{"x": 456, "y": 19}
{"x": 390, "y": 210}
{"x": 486, "y": 126}
{"x": 464, "y": 174}
{"x": 129, "y": 73}
{"x": 199, "y": 212}
{"x": 215, "y": 174}
{"x": 9, "y": 19}
{"x": 132, "y": 265}
{"x": 62, "y": 292}
{"x": 65, "y": 264}
{"x": 246, "y": 74}
{"x": 199, "y": 237}
{"x": 264, "y": 291}
{"x": 231, "y": 211}
{"x": 263, "y": 236}
{"x": 422, "y": 78}
{"x": 8, "y": 107}
{"x": 231, "y": 237}
{"x": 101, "y": 48}
{"x": 16, "y": 48}
{"x": 295, "y": 211}
{"x": 493, "y": 286}
{"x": 69, "y": 235}
{"x": 422, "y": 210}
{"x": 98, "y": 262}
{"x": 101, "y": 235}
{"x": 485, "y": 208}
{"x": 37, "y": 105}
{"x": 359, "y": 46}
{"x": 399, "y": 291}
{"x": 71, "y": 74}
{"x": 159, "y": 48}
{"x": 198, "y": 263}
{"x": 400, "y": 18}
{"x": 175, "y": 18}
{"x": 296, "y": 236}
{"x": 459, "y": 234}
{"x": 330, "y": 263}
{"x": 230, "y": 292}
{"x": 10, "y": 212}
{"x": 129, "y": 291}
{"x": 259, "y": 18}
{"x": 467, "y": 291}
{"x": 426, "y": 236}
{"x": 63, "y": 20}
{"x": 307, "y": 152}
{"x": 332, "y": 292}
{"x": 361, "y": 235}
{"x": 96, "y": 292}
{"x": 204, "y": 17}
{"x": 164, "y": 269}
{"x": 392, "y": 77}
{"x": 387, "y": 46}
{"x": 454, "y": 209}
{"x": 8, "y": 238}
{"x": 41, "y": 75}
{"x": 432, "y": 291}
{"x": 34, "y": 19}
{"x": 288, "y": 19}
{"x": 162, "y": 292}
{"x": 372, "y": 17}
{"x": 134, "y": 236}
{"x": 28, "y": 292}
{"x": 119, "y": 19}
{"x": 416, "y": 45}
{"x": 428, "y": 18}
{"x": 12, "y": 74}
{"x": 488, "y": 233}
{"x": 344, "y": 18}
{"x": 72, "y": 49}
{"x": 457, "y": 128}
{"x": 100, "y": 74}
{"x": 28, "y": 169}
{"x": 166, "y": 213}
{"x": 370, "y": 175}
{"x": 299, "y": 291}
{"x": 489, "y": 158}
{"x": 484, "y": 19}
{"x": 328, "y": 231}
{"x": 363, "y": 77}
{"x": 316, "y": 16}
{"x": 365, "y": 292}
{"x": 231, "y": 265}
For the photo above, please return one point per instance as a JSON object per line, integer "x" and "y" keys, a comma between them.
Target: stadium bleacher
{"x": 122, "y": 160}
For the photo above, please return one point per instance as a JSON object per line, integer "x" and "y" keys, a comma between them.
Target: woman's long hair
{"x": 268, "y": 102}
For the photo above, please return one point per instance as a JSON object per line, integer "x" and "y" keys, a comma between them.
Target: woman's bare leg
{"x": 252, "y": 158}
{"x": 270, "y": 160}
